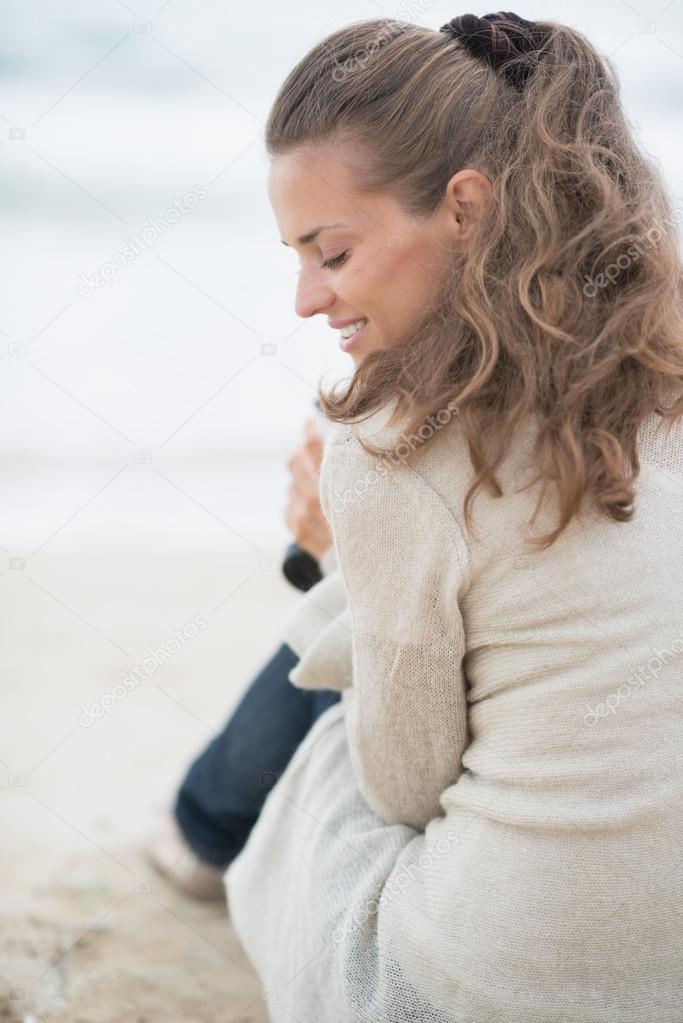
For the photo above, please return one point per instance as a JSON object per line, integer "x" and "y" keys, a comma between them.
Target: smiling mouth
{"x": 348, "y": 341}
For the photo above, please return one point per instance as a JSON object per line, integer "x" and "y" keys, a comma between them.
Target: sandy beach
{"x": 89, "y": 933}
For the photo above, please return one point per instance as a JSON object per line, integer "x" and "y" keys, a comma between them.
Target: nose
{"x": 313, "y": 294}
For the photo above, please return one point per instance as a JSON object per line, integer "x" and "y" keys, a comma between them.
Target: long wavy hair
{"x": 567, "y": 302}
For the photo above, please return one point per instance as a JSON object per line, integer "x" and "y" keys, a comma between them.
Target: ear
{"x": 467, "y": 194}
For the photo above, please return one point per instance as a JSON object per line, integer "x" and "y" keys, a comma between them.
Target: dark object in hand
{"x": 300, "y": 568}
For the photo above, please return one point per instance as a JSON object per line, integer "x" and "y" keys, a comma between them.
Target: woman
{"x": 489, "y": 825}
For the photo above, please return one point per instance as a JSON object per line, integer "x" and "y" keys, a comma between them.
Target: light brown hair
{"x": 566, "y": 304}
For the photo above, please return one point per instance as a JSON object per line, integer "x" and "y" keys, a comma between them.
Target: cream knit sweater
{"x": 489, "y": 827}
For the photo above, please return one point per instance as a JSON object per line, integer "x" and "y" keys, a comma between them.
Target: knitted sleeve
{"x": 405, "y": 567}
{"x": 317, "y": 630}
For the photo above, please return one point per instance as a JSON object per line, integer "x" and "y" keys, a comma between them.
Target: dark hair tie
{"x": 499, "y": 39}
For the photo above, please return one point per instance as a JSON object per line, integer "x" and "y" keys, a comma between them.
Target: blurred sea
{"x": 162, "y": 406}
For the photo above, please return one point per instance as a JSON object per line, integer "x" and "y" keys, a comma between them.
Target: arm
{"x": 318, "y": 630}
{"x": 317, "y": 627}
{"x": 405, "y": 567}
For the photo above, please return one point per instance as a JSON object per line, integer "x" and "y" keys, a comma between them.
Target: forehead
{"x": 313, "y": 186}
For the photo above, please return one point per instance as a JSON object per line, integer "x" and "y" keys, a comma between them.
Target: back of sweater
{"x": 573, "y": 652}
{"x": 514, "y": 732}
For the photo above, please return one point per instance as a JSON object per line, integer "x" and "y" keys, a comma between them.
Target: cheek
{"x": 387, "y": 283}
{"x": 366, "y": 286}
{"x": 407, "y": 283}
{"x": 392, "y": 289}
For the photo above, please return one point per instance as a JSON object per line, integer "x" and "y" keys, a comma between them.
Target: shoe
{"x": 175, "y": 861}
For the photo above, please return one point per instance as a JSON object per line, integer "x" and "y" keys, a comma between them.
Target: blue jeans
{"x": 222, "y": 794}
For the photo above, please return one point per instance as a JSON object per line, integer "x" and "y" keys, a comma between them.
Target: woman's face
{"x": 363, "y": 259}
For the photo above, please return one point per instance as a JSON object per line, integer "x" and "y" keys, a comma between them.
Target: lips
{"x": 347, "y": 343}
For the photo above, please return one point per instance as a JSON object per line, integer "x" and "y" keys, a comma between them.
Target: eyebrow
{"x": 305, "y": 239}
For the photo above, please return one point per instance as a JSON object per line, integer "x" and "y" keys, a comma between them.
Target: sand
{"x": 89, "y": 933}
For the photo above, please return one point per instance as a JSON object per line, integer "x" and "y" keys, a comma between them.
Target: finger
{"x": 305, "y": 469}
{"x": 312, "y": 431}
{"x": 308, "y": 476}
{"x": 315, "y": 447}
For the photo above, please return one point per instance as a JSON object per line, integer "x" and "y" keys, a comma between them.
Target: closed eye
{"x": 330, "y": 264}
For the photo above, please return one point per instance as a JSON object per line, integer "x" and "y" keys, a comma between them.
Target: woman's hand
{"x": 303, "y": 514}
